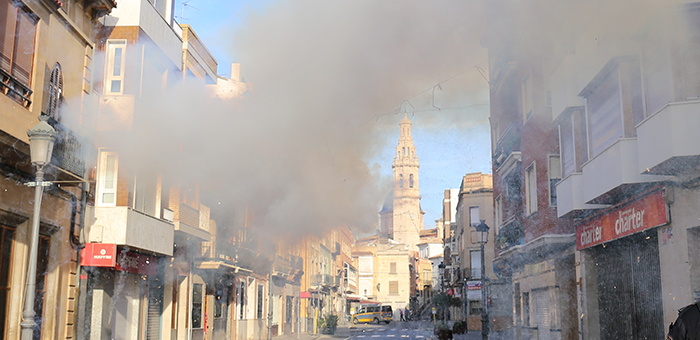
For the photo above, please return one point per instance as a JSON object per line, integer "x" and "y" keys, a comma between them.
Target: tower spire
{"x": 407, "y": 214}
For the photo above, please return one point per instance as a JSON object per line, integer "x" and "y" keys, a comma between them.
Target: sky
{"x": 435, "y": 73}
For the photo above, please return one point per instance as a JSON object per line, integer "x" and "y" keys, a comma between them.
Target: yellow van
{"x": 368, "y": 314}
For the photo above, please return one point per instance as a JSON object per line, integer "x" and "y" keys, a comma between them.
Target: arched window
{"x": 404, "y": 152}
{"x": 55, "y": 92}
{"x": 401, "y": 181}
{"x": 410, "y": 181}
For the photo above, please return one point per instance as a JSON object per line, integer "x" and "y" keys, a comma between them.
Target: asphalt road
{"x": 398, "y": 331}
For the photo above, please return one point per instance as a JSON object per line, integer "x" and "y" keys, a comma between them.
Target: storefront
{"x": 125, "y": 292}
{"x": 620, "y": 268}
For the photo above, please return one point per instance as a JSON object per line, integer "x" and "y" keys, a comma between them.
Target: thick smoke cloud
{"x": 325, "y": 81}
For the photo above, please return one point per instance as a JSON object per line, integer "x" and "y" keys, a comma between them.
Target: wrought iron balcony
{"x": 68, "y": 151}
{"x": 507, "y": 144}
{"x": 510, "y": 234}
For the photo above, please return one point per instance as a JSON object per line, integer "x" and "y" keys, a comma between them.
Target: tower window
{"x": 410, "y": 181}
{"x": 401, "y": 181}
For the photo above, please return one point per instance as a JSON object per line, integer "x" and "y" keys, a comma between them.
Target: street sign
{"x": 434, "y": 311}
{"x": 352, "y": 311}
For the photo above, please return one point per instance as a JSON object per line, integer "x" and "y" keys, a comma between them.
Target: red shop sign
{"x": 98, "y": 255}
{"x": 644, "y": 213}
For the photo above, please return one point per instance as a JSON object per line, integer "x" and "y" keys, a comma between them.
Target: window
{"x": 554, "y": 172}
{"x": 573, "y": 144}
{"x": 241, "y": 300}
{"x": 107, "y": 179}
{"x": 55, "y": 91}
{"x": 475, "y": 307}
{"x": 261, "y": 299}
{"x": 18, "y": 31}
{"x": 526, "y": 309}
{"x": 475, "y": 256}
{"x": 197, "y": 298}
{"x": 393, "y": 287}
{"x": 114, "y": 79}
{"x": 498, "y": 207}
{"x": 531, "y": 189}
{"x": 6, "y": 244}
{"x": 604, "y": 114}
{"x": 392, "y": 268}
{"x": 410, "y": 181}
{"x": 474, "y": 216}
{"x": 526, "y": 87}
{"x": 401, "y": 181}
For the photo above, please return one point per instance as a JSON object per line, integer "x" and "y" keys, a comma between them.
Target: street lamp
{"x": 483, "y": 231}
{"x": 41, "y": 139}
{"x": 441, "y": 270}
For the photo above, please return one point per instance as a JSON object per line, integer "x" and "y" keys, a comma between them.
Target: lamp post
{"x": 483, "y": 231}
{"x": 41, "y": 139}
{"x": 441, "y": 270}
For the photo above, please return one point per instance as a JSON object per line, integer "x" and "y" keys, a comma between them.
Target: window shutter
{"x": 24, "y": 46}
{"x": 55, "y": 92}
{"x": 8, "y": 19}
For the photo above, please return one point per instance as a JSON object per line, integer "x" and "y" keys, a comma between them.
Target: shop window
{"x": 475, "y": 307}
{"x": 197, "y": 299}
{"x": 261, "y": 299}
{"x": 115, "y": 66}
{"x": 554, "y": 173}
{"x": 156, "y": 293}
{"x": 107, "y": 179}
{"x": 531, "y": 189}
{"x": 219, "y": 300}
{"x": 393, "y": 287}
{"x": 17, "y": 39}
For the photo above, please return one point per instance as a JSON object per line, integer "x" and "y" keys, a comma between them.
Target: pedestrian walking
{"x": 687, "y": 325}
{"x": 401, "y": 312}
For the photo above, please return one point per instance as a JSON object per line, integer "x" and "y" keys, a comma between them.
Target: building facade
{"x": 46, "y": 56}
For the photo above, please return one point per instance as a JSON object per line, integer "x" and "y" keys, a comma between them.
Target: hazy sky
{"x": 410, "y": 58}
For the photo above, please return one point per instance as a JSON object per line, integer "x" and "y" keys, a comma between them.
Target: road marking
{"x": 360, "y": 336}
{"x": 376, "y": 336}
{"x": 404, "y": 335}
{"x": 419, "y": 336}
{"x": 390, "y": 336}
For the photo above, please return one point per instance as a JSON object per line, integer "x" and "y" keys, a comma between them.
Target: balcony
{"x": 667, "y": 140}
{"x": 325, "y": 280}
{"x": 507, "y": 150}
{"x": 127, "y": 227}
{"x": 570, "y": 196}
{"x": 198, "y": 59}
{"x": 143, "y": 14}
{"x": 613, "y": 171}
{"x": 68, "y": 152}
{"x": 187, "y": 219}
{"x": 510, "y": 234}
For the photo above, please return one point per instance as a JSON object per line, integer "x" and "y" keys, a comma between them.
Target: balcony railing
{"x": 326, "y": 280}
{"x": 507, "y": 144}
{"x": 509, "y": 235}
{"x": 14, "y": 89}
{"x": 68, "y": 152}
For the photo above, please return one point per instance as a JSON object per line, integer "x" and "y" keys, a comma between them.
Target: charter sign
{"x": 646, "y": 212}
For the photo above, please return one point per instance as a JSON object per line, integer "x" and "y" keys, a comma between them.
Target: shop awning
{"x": 305, "y": 295}
{"x": 215, "y": 265}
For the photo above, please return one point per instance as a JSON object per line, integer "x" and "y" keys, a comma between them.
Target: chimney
{"x": 236, "y": 72}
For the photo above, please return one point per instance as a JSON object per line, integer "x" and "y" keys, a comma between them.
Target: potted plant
{"x": 459, "y": 327}
{"x": 328, "y": 324}
{"x": 443, "y": 331}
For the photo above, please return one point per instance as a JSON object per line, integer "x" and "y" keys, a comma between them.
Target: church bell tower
{"x": 408, "y": 216}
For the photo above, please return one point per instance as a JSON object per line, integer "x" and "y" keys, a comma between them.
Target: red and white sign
{"x": 107, "y": 255}
{"x": 644, "y": 213}
{"x": 98, "y": 255}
